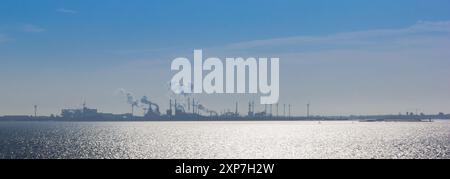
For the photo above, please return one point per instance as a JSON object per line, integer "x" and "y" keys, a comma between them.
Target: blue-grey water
{"x": 247, "y": 140}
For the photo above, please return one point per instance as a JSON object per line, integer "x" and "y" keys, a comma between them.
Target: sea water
{"x": 224, "y": 140}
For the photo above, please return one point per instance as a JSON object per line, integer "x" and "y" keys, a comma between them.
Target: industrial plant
{"x": 190, "y": 109}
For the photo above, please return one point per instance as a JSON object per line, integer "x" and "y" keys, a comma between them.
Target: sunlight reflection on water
{"x": 224, "y": 140}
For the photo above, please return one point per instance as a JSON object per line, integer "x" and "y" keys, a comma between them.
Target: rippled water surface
{"x": 224, "y": 140}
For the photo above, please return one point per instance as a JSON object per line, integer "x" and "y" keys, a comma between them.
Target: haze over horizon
{"x": 346, "y": 57}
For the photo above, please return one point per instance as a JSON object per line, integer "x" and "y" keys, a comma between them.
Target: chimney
{"x": 237, "y": 111}
{"x": 35, "y": 111}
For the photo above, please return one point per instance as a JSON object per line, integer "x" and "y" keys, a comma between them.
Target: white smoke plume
{"x": 131, "y": 100}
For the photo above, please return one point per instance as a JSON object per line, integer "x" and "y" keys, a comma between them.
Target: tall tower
{"x": 271, "y": 111}
{"x": 193, "y": 106}
{"x": 253, "y": 107}
{"x": 284, "y": 110}
{"x": 265, "y": 109}
{"x": 84, "y": 107}
{"x": 170, "y": 108}
{"x": 289, "y": 111}
{"x": 236, "y": 112}
{"x": 35, "y": 110}
{"x": 132, "y": 111}
{"x": 278, "y": 114}
{"x": 175, "y": 107}
{"x": 307, "y": 109}
{"x": 249, "y": 109}
{"x": 189, "y": 104}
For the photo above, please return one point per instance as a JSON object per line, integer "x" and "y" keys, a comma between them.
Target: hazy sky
{"x": 345, "y": 57}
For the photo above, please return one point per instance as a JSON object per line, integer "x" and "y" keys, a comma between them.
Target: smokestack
{"x": 132, "y": 111}
{"x": 249, "y": 109}
{"x": 175, "y": 107}
{"x": 277, "y": 110}
{"x": 130, "y": 99}
{"x": 35, "y": 110}
{"x": 236, "y": 112}
{"x": 170, "y": 107}
{"x": 193, "y": 106}
{"x": 284, "y": 110}
{"x": 189, "y": 104}
{"x": 307, "y": 109}
{"x": 271, "y": 110}
{"x": 289, "y": 111}
{"x": 253, "y": 107}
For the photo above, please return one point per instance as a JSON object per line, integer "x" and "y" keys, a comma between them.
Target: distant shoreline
{"x": 2, "y": 119}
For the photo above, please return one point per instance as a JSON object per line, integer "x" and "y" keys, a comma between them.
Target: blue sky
{"x": 57, "y": 52}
